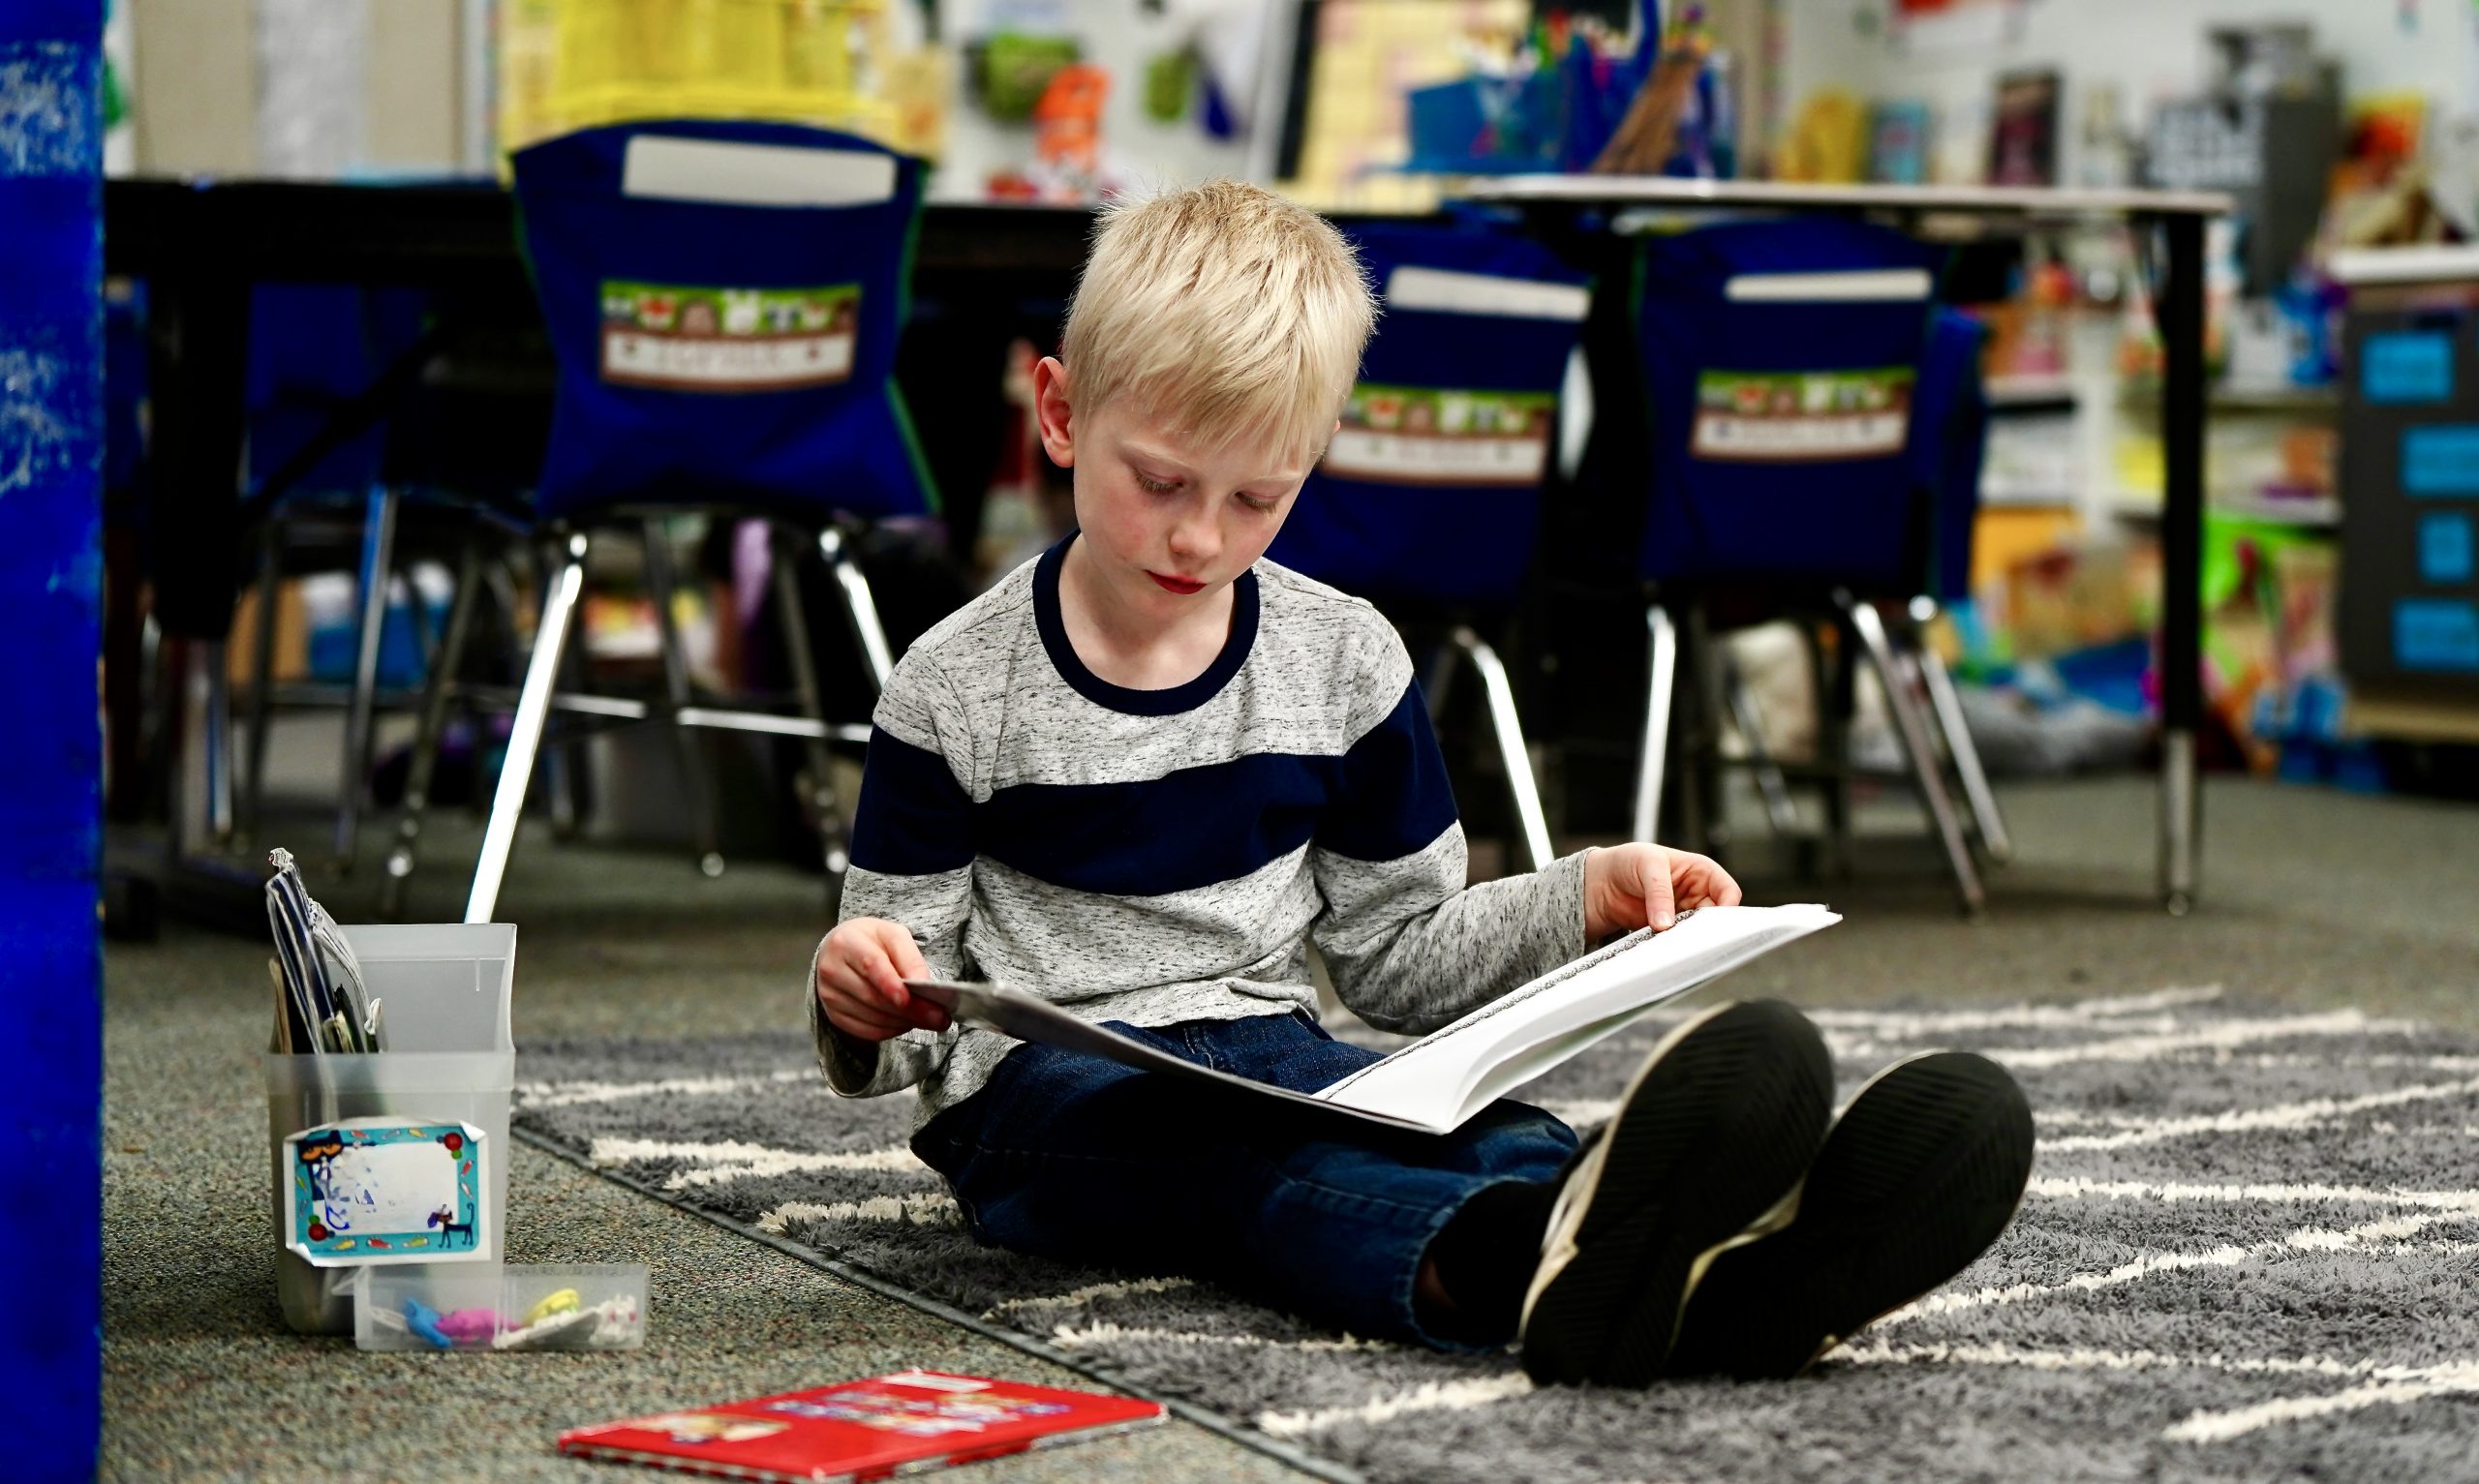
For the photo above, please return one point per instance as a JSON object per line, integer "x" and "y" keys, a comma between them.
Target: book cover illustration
{"x": 863, "y": 1429}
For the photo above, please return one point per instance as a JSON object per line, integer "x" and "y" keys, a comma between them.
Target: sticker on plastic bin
{"x": 1421, "y": 434}
{"x": 2440, "y": 460}
{"x": 383, "y": 1190}
{"x": 688, "y": 339}
{"x": 2435, "y": 634}
{"x": 2444, "y": 548}
{"x": 2407, "y": 366}
{"x": 1769, "y": 416}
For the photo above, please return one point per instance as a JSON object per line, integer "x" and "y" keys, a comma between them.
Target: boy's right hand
{"x": 860, "y": 981}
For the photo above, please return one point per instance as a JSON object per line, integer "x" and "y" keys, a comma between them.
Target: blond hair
{"x": 1223, "y": 310}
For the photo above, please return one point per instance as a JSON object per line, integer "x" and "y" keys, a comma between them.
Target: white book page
{"x": 1440, "y": 1080}
{"x": 1453, "y": 1072}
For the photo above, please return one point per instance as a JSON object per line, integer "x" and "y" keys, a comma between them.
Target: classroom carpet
{"x": 2246, "y": 1250}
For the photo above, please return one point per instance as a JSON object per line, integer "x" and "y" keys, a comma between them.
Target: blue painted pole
{"x": 52, "y": 1073}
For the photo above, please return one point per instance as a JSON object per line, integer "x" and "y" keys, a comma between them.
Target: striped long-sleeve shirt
{"x": 1160, "y": 856}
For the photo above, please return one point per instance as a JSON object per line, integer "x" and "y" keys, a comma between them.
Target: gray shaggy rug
{"x": 2248, "y": 1252}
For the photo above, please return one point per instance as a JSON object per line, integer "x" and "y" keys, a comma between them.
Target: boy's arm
{"x": 911, "y": 864}
{"x": 1409, "y": 945}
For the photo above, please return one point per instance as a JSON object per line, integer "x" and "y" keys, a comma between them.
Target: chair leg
{"x": 564, "y": 762}
{"x": 378, "y": 542}
{"x": 254, "y": 786}
{"x": 525, "y": 734}
{"x": 1512, "y": 755}
{"x": 859, "y": 603}
{"x": 1658, "y": 699}
{"x": 793, "y": 615}
{"x": 1834, "y": 674}
{"x": 1439, "y": 682}
{"x": 694, "y": 774}
{"x": 218, "y": 747}
{"x": 1911, "y": 726}
{"x": 1706, "y": 825}
{"x": 1990, "y": 824}
{"x": 1783, "y": 815}
{"x": 445, "y": 666}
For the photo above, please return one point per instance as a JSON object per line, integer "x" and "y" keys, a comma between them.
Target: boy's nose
{"x": 1194, "y": 539}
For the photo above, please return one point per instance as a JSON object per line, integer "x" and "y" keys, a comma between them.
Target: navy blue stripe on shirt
{"x": 1392, "y": 796}
{"x": 1194, "y": 827}
{"x": 1190, "y": 827}
{"x": 914, "y": 819}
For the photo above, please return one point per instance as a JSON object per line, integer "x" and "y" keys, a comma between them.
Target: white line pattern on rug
{"x": 741, "y": 1162}
{"x": 2222, "y": 1426}
{"x": 2315, "y": 1112}
{"x": 2079, "y": 1187}
{"x": 1073, "y": 1337}
{"x": 538, "y": 1095}
{"x": 930, "y": 1208}
{"x": 1912, "y": 1025}
{"x": 2306, "y": 1239}
{"x": 1090, "y": 1293}
{"x": 1429, "y": 1396}
{"x": 2233, "y": 1032}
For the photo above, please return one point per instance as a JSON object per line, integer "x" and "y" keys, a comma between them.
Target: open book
{"x": 1446, "y": 1076}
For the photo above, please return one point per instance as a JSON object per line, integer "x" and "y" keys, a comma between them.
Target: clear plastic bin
{"x": 585, "y": 1306}
{"x": 445, "y": 989}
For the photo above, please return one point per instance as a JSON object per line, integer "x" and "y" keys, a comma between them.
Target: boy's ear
{"x": 1050, "y": 411}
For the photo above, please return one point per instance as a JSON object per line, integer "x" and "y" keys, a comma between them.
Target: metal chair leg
{"x": 378, "y": 543}
{"x": 1837, "y": 682}
{"x": 859, "y": 603}
{"x": 1658, "y": 697}
{"x": 218, "y": 738}
{"x": 797, "y": 654}
{"x": 1775, "y": 790}
{"x": 694, "y": 774}
{"x": 1702, "y": 822}
{"x": 1512, "y": 755}
{"x": 1948, "y": 707}
{"x": 525, "y": 734}
{"x": 565, "y": 761}
{"x": 438, "y": 685}
{"x": 254, "y": 785}
{"x": 1911, "y": 728}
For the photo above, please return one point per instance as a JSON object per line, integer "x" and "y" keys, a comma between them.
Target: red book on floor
{"x": 862, "y": 1429}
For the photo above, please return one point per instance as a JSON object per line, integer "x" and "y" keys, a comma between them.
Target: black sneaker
{"x": 1705, "y": 1151}
{"x": 1919, "y": 1175}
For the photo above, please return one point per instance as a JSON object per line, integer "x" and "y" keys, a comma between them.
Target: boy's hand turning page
{"x": 1446, "y": 1076}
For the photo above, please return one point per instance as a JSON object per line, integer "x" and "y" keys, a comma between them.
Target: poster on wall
{"x": 2022, "y": 134}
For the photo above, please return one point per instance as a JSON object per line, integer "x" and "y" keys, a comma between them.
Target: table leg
{"x": 2182, "y": 532}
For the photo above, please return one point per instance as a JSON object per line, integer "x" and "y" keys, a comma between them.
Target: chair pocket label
{"x": 1783, "y": 416}
{"x": 1425, "y": 435}
{"x": 690, "y": 339}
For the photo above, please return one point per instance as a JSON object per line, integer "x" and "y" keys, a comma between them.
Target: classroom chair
{"x": 1816, "y": 426}
{"x": 1428, "y": 500}
{"x": 724, "y": 301}
{"x": 327, "y": 363}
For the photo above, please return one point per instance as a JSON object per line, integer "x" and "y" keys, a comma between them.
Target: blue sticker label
{"x": 2435, "y": 634}
{"x": 2407, "y": 366}
{"x": 2444, "y": 548}
{"x": 2440, "y": 460}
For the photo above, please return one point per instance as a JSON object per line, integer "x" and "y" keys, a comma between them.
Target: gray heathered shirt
{"x": 1154, "y": 857}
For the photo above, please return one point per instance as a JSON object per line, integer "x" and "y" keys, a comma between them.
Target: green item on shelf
{"x": 1170, "y": 81}
{"x": 1016, "y": 66}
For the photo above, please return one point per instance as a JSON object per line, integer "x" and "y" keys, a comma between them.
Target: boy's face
{"x": 1168, "y": 523}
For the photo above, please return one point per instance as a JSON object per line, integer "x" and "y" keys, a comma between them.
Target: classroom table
{"x": 1574, "y": 206}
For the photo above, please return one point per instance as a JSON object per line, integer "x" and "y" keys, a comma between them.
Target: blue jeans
{"x": 1069, "y": 1156}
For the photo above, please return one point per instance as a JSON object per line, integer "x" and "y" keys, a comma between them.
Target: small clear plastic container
{"x": 489, "y": 1310}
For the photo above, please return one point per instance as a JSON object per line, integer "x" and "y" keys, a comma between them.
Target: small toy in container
{"x": 514, "y": 1308}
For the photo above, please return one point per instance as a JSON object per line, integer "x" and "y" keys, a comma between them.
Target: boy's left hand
{"x": 1637, "y": 885}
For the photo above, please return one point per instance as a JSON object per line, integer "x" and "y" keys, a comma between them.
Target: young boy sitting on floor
{"x": 1144, "y": 770}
